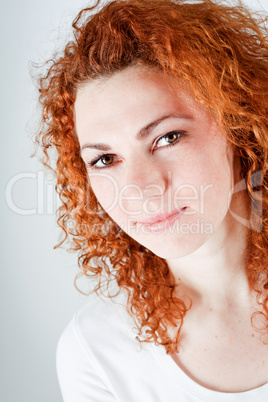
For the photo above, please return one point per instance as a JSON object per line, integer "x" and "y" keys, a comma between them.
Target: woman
{"x": 158, "y": 112}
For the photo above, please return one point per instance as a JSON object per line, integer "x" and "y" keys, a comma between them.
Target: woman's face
{"x": 156, "y": 160}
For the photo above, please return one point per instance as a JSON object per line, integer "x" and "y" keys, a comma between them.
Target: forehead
{"x": 131, "y": 81}
{"x": 133, "y": 95}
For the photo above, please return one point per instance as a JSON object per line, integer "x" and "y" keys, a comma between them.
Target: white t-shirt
{"x": 99, "y": 360}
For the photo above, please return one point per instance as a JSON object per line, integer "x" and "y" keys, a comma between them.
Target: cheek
{"x": 217, "y": 196}
{"x": 106, "y": 190}
{"x": 204, "y": 183}
{"x": 215, "y": 192}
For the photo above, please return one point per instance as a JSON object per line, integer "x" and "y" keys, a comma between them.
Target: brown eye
{"x": 102, "y": 162}
{"x": 171, "y": 137}
{"x": 107, "y": 159}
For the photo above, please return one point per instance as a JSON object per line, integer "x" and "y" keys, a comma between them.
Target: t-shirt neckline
{"x": 183, "y": 381}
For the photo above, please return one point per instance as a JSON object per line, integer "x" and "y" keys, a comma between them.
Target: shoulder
{"x": 103, "y": 319}
{"x": 100, "y": 320}
{"x": 93, "y": 335}
{"x": 98, "y": 335}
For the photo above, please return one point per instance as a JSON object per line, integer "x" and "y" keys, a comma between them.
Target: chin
{"x": 167, "y": 254}
{"x": 179, "y": 248}
{"x": 170, "y": 254}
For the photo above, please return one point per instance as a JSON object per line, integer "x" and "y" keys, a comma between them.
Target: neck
{"x": 215, "y": 274}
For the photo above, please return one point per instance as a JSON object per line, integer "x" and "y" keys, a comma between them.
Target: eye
{"x": 102, "y": 161}
{"x": 169, "y": 139}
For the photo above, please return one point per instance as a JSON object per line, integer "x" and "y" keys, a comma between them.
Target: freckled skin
{"x": 218, "y": 350}
{"x": 195, "y": 173}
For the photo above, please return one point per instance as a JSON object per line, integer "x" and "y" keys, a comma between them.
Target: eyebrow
{"x": 141, "y": 134}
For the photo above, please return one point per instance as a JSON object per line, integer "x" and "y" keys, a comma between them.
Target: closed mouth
{"x": 160, "y": 222}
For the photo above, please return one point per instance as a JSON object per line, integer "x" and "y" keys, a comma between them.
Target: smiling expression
{"x": 156, "y": 160}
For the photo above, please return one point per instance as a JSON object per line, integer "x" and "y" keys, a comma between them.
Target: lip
{"x": 162, "y": 221}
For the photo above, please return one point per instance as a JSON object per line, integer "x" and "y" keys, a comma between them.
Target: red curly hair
{"x": 221, "y": 52}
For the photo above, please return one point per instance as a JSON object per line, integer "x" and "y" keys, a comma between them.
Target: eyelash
{"x": 92, "y": 163}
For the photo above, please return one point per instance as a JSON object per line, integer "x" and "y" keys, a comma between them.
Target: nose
{"x": 145, "y": 181}
{"x": 148, "y": 176}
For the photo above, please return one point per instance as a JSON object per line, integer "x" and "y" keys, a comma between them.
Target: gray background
{"x": 37, "y": 294}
